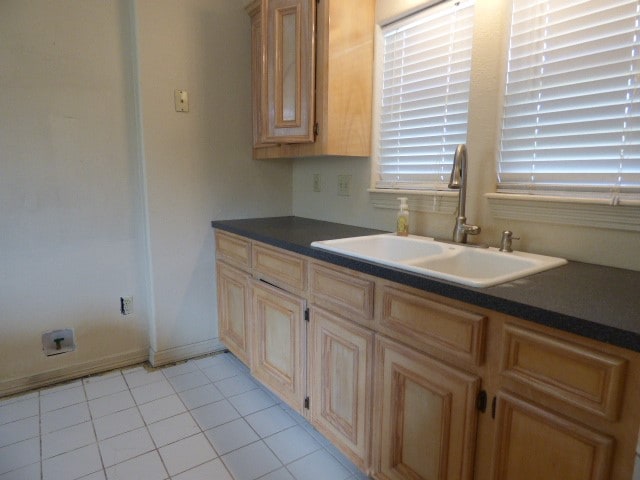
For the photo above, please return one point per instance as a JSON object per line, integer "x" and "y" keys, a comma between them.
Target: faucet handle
{"x": 505, "y": 242}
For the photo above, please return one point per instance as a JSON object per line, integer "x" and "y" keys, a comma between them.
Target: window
{"x": 571, "y": 124}
{"x": 424, "y": 95}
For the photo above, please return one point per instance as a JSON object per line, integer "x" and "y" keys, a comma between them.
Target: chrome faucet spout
{"x": 458, "y": 181}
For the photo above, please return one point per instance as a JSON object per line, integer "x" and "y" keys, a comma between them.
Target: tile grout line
{"x": 93, "y": 426}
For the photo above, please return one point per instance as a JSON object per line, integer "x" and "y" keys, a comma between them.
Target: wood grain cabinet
{"x": 312, "y": 77}
{"x": 559, "y": 408}
{"x": 415, "y": 386}
{"x": 234, "y": 297}
{"x": 340, "y": 383}
{"x": 279, "y": 342}
{"x": 234, "y": 310}
{"x": 425, "y": 416}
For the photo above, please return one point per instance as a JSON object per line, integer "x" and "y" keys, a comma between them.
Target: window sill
{"x": 438, "y": 201}
{"x": 566, "y": 211}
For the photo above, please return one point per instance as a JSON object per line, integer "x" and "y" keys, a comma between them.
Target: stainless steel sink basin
{"x": 475, "y": 267}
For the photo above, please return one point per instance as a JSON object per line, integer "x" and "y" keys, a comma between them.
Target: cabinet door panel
{"x": 279, "y": 342}
{"x": 534, "y": 443}
{"x": 425, "y": 416}
{"x": 234, "y": 310}
{"x": 288, "y": 82}
{"x": 341, "y": 355}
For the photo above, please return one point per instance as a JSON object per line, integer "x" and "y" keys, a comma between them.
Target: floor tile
{"x": 235, "y": 385}
{"x": 67, "y": 439}
{"x": 110, "y": 404}
{"x": 65, "y": 417}
{"x": 221, "y": 371}
{"x": 162, "y": 408}
{"x": 100, "y": 475}
{"x": 213, "y": 470}
{"x": 125, "y": 446}
{"x": 18, "y": 455}
{"x": 199, "y": 396}
{"x": 187, "y": 453}
{"x": 270, "y": 421}
{"x": 98, "y": 387}
{"x": 19, "y": 410}
{"x": 292, "y": 444}
{"x": 212, "y": 361}
{"x": 214, "y": 414}
{"x": 281, "y": 474}
{"x": 60, "y": 386}
{"x": 189, "y": 380}
{"x": 139, "y": 376}
{"x": 179, "y": 369}
{"x": 262, "y": 462}
{"x": 30, "y": 472}
{"x": 145, "y": 467}
{"x": 152, "y": 391}
{"x": 62, "y": 398}
{"x": 252, "y": 401}
{"x": 231, "y": 436}
{"x": 117, "y": 423}
{"x": 18, "y": 398}
{"x": 19, "y": 430}
{"x": 72, "y": 465}
{"x": 320, "y": 465}
{"x": 173, "y": 429}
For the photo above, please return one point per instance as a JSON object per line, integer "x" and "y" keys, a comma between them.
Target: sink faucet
{"x": 458, "y": 180}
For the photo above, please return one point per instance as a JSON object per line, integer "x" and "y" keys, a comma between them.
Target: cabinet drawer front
{"x": 422, "y": 322}
{"x": 340, "y": 292}
{"x": 586, "y": 378}
{"x": 234, "y": 249}
{"x": 282, "y": 268}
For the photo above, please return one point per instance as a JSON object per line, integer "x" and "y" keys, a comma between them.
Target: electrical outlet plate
{"x": 316, "y": 182}
{"x": 344, "y": 185}
{"x": 126, "y": 305}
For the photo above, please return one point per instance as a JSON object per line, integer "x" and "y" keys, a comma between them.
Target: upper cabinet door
{"x": 288, "y": 76}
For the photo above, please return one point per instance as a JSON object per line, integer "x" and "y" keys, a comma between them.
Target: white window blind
{"x": 571, "y": 123}
{"x": 424, "y": 98}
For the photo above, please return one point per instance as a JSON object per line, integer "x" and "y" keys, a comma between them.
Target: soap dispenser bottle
{"x": 402, "y": 221}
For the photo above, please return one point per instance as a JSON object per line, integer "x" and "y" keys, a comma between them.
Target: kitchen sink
{"x": 475, "y": 267}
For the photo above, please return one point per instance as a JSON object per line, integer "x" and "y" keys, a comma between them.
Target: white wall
{"x": 69, "y": 188}
{"x": 595, "y": 245}
{"x": 198, "y": 164}
{"x": 106, "y": 191}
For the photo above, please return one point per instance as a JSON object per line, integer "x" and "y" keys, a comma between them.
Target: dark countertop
{"x": 602, "y": 303}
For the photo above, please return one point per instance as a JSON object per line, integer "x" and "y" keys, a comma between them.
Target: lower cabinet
{"x": 533, "y": 442}
{"x": 279, "y": 342}
{"x": 234, "y": 306}
{"x": 425, "y": 416}
{"x": 340, "y": 383}
{"x": 396, "y": 377}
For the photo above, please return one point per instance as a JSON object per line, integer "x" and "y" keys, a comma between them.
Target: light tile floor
{"x": 201, "y": 419}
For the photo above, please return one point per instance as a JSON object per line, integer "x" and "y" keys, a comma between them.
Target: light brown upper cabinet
{"x": 311, "y": 77}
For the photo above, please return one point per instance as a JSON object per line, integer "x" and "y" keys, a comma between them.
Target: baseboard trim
{"x": 184, "y": 352}
{"x": 71, "y": 372}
